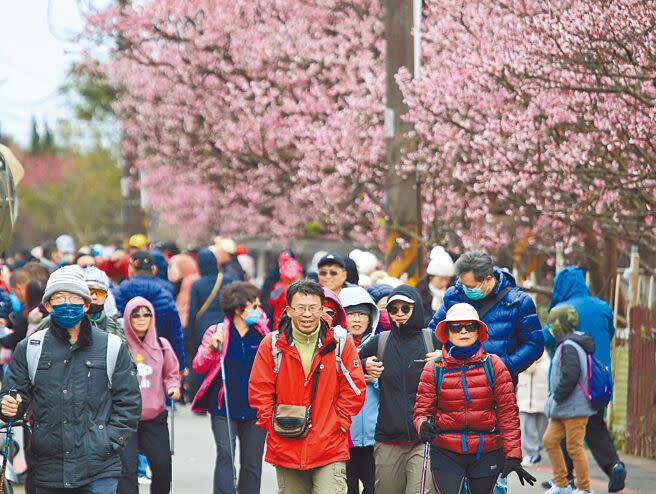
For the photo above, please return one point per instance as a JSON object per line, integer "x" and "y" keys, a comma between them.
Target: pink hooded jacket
{"x": 157, "y": 365}
{"x": 208, "y": 362}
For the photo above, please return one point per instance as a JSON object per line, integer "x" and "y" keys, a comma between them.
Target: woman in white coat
{"x": 531, "y": 399}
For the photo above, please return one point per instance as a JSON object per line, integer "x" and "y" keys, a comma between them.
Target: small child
{"x": 531, "y": 399}
{"x": 475, "y": 432}
{"x": 157, "y": 372}
{"x": 567, "y": 407}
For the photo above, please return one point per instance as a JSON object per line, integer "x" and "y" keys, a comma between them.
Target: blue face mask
{"x": 67, "y": 315}
{"x": 474, "y": 293}
{"x": 252, "y": 317}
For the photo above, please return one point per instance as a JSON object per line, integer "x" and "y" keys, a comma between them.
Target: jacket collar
{"x": 453, "y": 362}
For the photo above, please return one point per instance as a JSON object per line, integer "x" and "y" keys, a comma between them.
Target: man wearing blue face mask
{"x": 82, "y": 388}
{"x": 514, "y": 331}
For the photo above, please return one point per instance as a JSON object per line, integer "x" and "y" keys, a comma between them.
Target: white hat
{"x": 400, "y": 297}
{"x": 440, "y": 263}
{"x": 365, "y": 261}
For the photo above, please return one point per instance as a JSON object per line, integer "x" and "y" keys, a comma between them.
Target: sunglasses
{"x": 329, "y": 272}
{"x": 330, "y": 312}
{"x": 457, "y": 327}
{"x": 405, "y": 308}
{"x": 145, "y": 315}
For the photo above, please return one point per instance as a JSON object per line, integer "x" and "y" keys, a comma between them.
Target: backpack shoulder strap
{"x": 438, "y": 371}
{"x": 382, "y": 343}
{"x": 339, "y": 333}
{"x": 33, "y": 352}
{"x": 428, "y": 340}
{"x": 584, "y": 363}
{"x": 113, "y": 348}
{"x": 489, "y": 371}
{"x": 275, "y": 352}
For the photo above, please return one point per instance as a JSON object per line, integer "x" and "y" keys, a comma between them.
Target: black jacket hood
{"x": 583, "y": 339}
{"x": 416, "y": 321}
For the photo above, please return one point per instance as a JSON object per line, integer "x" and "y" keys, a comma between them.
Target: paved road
{"x": 193, "y": 465}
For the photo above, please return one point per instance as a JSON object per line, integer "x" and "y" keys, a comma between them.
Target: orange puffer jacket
{"x": 334, "y": 404}
{"x": 468, "y": 410}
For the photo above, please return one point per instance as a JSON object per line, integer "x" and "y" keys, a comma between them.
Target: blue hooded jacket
{"x": 514, "y": 330}
{"x": 595, "y": 315}
{"x": 167, "y": 319}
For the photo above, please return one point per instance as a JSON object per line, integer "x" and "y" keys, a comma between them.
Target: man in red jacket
{"x": 308, "y": 394}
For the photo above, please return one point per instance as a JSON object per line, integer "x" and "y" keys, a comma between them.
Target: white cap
{"x": 440, "y": 263}
{"x": 400, "y": 297}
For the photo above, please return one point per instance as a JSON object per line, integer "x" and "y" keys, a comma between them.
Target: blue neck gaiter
{"x": 462, "y": 352}
{"x": 67, "y": 315}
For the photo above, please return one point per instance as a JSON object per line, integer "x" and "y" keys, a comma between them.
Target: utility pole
{"x": 402, "y": 246}
{"x": 132, "y": 214}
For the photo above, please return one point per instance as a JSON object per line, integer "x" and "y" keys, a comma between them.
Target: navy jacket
{"x": 200, "y": 291}
{"x": 167, "y": 319}
{"x": 595, "y": 315}
{"x": 514, "y": 330}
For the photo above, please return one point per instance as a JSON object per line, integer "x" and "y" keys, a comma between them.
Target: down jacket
{"x": 514, "y": 330}
{"x": 532, "y": 386}
{"x": 80, "y": 423}
{"x": 468, "y": 404}
{"x": 167, "y": 319}
{"x": 334, "y": 404}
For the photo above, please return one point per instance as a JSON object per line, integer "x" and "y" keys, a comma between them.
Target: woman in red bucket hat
{"x": 466, "y": 409}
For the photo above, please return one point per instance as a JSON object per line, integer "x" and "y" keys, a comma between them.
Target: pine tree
{"x": 35, "y": 140}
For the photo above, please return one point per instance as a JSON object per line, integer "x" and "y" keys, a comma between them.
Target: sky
{"x": 36, "y": 51}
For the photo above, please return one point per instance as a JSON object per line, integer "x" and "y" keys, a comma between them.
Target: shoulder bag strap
{"x": 208, "y": 301}
{"x": 488, "y": 304}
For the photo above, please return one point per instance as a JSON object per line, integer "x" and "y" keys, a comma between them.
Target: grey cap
{"x": 67, "y": 279}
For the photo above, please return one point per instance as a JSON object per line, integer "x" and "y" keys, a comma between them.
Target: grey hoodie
{"x": 569, "y": 371}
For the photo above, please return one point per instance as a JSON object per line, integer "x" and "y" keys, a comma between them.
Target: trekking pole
{"x": 425, "y": 465}
{"x": 13, "y": 393}
{"x": 225, "y": 397}
{"x": 172, "y": 443}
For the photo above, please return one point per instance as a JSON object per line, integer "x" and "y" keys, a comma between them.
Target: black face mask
{"x": 95, "y": 309}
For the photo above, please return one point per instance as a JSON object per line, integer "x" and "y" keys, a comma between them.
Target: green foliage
{"x": 35, "y": 138}
{"x": 85, "y": 204}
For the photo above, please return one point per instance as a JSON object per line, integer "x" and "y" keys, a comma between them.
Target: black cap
{"x": 142, "y": 260}
{"x": 332, "y": 258}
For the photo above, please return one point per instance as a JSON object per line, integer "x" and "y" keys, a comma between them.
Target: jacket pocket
{"x": 98, "y": 443}
{"x": 97, "y": 382}
{"x": 43, "y": 441}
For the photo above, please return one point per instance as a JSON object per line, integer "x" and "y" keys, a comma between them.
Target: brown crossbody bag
{"x": 294, "y": 421}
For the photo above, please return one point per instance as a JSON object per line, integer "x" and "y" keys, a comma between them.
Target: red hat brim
{"x": 440, "y": 331}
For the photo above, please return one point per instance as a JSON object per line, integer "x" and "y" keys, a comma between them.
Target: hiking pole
{"x": 225, "y": 397}
{"x": 423, "y": 468}
{"x": 13, "y": 393}
{"x": 172, "y": 442}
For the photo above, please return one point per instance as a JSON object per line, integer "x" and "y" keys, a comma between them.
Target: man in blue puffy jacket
{"x": 142, "y": 283}
{"x": 596, "y": 319}
{"x": 514, "y": 331}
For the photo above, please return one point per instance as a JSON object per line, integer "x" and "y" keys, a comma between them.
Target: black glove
{"x": 515, "y": 465}
{"x": 427, "y": 431}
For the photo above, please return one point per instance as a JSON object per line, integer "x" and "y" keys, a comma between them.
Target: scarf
{"x": 438, "y": 296}
{"x": 462, "y": 352}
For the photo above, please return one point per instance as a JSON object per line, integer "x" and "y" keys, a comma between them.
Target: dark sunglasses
{"x": 405, "y": 308}
{"x": 139, "y": 316}
{"x": 457, "y": 327}
{"x": 331, "y": 272}
{"x": 331, "y": 312}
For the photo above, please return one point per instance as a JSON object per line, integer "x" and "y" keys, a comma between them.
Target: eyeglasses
{"x": 330, "y": 272}
{"x": 302, "y": 309}
{"x": 457, "y": 327}
{"x": 356, "y": 315}
{"x": 405, "y": 308}
{"x": 255, "y": 307}
{"x": 101, "y": 294}
{"x": 59, "y": 299}
{"x": 144, "y": 315}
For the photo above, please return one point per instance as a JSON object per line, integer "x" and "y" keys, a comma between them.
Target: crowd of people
{"x": 353, "y": 379}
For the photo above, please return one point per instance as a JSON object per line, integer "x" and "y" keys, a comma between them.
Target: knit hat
{"x": 96, "y": 278}
{"x": 67, "y": 279}
{"x": 562, "y": 320}
{"x": 440, "y": 263}
{"x": 359, "y": 308}
{"x": 462, "y": 312}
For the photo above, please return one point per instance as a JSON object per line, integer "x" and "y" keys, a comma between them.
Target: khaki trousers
{"x": 398, "y": 469}
{"x": 573, "y": 430}
{"x": 328, "y": 479}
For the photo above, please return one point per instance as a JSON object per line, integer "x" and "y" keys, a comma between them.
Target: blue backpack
{"x": 600, "y": 380}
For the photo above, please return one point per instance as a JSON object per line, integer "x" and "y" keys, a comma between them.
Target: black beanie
{"x": 361, "y": 308}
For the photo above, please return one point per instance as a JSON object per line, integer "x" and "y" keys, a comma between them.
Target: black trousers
{"x": 361, "y": 467}
{"x": 600, "y": 444}
{"x": 152, "y": 439}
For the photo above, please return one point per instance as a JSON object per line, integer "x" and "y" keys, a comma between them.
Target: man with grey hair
{"x": 514, "y": 331}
